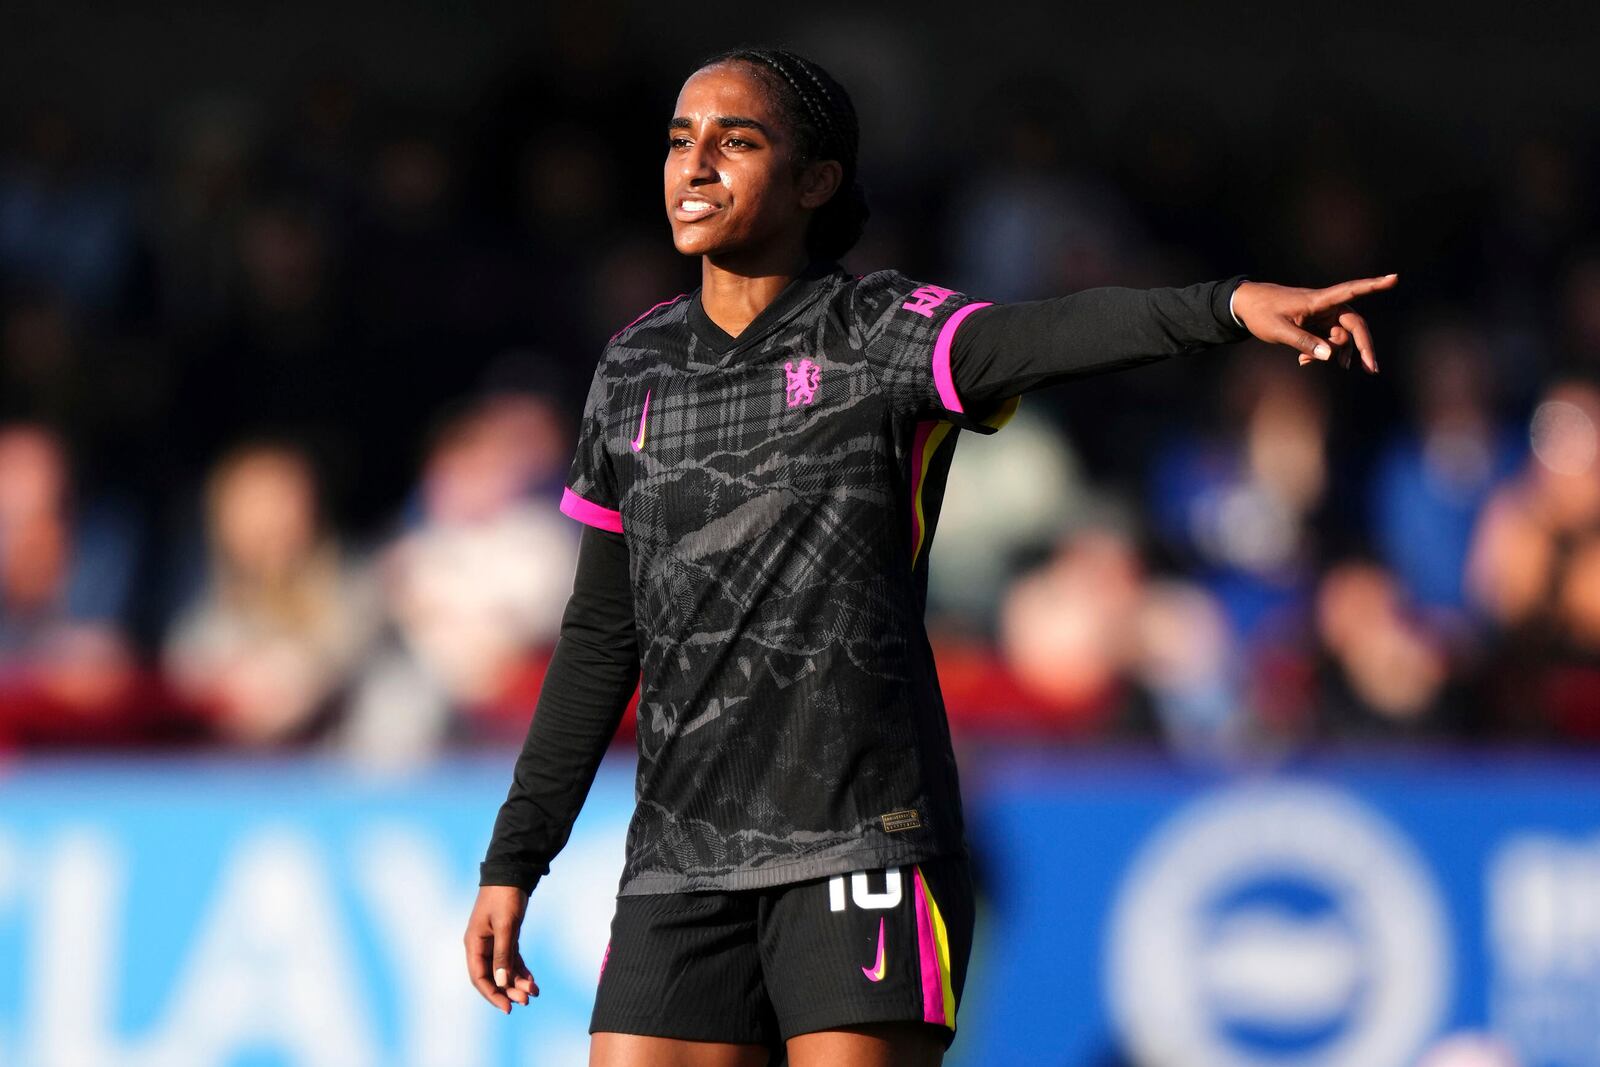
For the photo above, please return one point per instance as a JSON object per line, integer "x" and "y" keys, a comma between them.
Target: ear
{"x": 819, "y": 181}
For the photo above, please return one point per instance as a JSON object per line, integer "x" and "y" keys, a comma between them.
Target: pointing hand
{"x": 1318, "y": 323}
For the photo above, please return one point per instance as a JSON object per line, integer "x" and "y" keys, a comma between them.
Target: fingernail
{"x": 500, "y": 977}
{"x": 1323, "y": 351}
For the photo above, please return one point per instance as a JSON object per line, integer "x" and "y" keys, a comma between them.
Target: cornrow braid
{"x": 822, "y": 119}
{"x": 818, "y": 115}
{"x": 845, "y": 113}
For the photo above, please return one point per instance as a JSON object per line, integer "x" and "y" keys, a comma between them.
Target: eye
{"x": 677, "y": 142}
{"x": 739, "y": 142}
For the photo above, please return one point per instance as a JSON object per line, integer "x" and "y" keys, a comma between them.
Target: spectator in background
{"x": 1099, "y": 649}
{"x": 1431, "y": 480}
{"x": 476, "y": 586}
{"x": 1383, "y": 673}
{"x": 1239, "y": 512}
{"x": 1186, "y": 657}
{"x": 1534, "y": 568}
{"x": 1006, "y": 496}
{"x": 1238, "y": 507}
{"x": 1067, "y": 631}
{"x": 66, "y": 666}
{"x": 271, "y": 643}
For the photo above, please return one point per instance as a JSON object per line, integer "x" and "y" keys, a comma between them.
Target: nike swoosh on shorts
{"x": 875, "y": 974}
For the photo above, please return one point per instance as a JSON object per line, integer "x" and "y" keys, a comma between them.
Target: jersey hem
{"x": 775, "y": 874}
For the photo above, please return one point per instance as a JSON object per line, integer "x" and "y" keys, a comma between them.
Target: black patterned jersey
{"x": 778, "y": 492}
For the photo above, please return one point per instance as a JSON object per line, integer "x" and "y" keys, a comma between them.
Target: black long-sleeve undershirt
{"x": 1006, "y": 349}
{"x": 592, "y": 674}
{"x": 999, "y": 352}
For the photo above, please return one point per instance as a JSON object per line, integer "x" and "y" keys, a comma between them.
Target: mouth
{"x": 692, "y": 208}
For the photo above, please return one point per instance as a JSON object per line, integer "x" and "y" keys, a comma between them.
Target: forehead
{"x": 726, "y": 89}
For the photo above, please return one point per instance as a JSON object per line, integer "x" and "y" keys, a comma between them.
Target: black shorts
{"x": 759, "y": 966}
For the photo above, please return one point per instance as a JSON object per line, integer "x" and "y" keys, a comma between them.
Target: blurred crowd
{"x": 288, "y": 396}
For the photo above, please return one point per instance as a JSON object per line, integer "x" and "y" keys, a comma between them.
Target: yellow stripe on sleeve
{"x": 1003, "y": 414}
{"x": 929, "y": 447}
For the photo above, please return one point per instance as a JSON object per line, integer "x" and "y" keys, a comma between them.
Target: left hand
{"x": 1318, "y": 323}
{"x": 494, "y": 957}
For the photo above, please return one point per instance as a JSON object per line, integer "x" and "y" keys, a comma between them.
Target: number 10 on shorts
{"x": 862, "y": 894}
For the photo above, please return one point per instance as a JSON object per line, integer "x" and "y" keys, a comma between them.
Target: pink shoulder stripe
{"x": 589, "y": 512}
{"x": 647, "y": 314}
{"x": 942, "y": 380}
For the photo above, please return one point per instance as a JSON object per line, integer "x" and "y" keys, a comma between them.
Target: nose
{"x": 696, "y": 163}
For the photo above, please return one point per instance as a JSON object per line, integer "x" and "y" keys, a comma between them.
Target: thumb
{"x": 1309, "y": 344}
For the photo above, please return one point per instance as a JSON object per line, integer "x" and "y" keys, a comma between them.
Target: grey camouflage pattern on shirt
{"x": 788, "y": 697}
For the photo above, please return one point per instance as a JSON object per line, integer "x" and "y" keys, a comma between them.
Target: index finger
{"x": 1346, "y": 291}
{"x": 492, "y": 994}
{"x": 478, "y": 969}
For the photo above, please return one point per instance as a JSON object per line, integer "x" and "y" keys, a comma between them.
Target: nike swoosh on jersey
{"x": 638, "y": 442}
{"x": 875, "y": 974}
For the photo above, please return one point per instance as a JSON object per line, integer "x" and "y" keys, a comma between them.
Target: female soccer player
{"x": 759, "y": 468}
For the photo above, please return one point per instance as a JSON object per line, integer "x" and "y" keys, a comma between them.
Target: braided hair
{"x": 822, "y": 119}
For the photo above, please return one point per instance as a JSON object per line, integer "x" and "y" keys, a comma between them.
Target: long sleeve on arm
{"x": 1004, "y": 350}
{"x": 592, "y": 675}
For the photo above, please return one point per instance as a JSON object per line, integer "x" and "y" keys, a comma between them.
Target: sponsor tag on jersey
{"x": 900, "y": 820}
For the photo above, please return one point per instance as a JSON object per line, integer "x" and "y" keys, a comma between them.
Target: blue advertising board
{"x": 1360, "y": 914}
{"x": 192, "y": 914}
{"x": 219, "y": 913}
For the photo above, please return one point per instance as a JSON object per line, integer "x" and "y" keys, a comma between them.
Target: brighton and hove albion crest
{"x": 800, "y": 383}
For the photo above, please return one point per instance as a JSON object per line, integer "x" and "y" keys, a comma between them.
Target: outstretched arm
{"x": 592, "y": 674}
{"x": 1003, "y": 350}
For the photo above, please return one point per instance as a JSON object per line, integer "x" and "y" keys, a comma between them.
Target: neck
{"x": 733, "y": 294}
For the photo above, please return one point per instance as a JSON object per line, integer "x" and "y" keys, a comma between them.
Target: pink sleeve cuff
{"x": 942, "y": 380}
{"x": 589, "y": 512}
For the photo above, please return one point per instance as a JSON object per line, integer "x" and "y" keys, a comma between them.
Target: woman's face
{"x": 264, "y": 514}
{"x": 731, "y": 184}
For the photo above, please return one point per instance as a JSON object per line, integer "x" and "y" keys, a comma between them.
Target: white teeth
{"x": 696, "y": 206}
